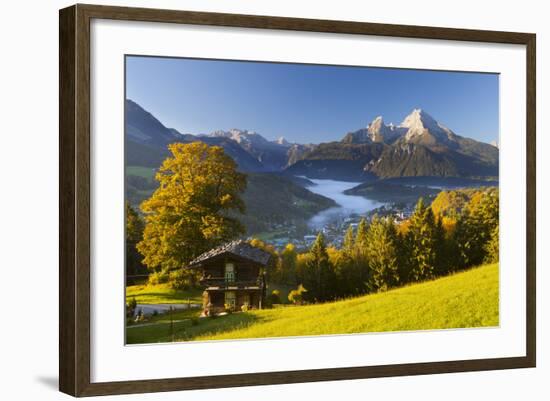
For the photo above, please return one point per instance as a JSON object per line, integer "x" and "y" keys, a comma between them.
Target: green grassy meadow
{"x": 466, "y": 299}
{"x": 161, "y": 294}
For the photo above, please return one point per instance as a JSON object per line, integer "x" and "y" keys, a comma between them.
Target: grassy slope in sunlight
{"x": 466, "y": 299}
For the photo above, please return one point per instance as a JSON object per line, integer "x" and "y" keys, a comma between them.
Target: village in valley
{"x": 335, "y": 230}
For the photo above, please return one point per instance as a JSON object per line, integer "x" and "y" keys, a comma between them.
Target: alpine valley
{"x": 418, "y": 153}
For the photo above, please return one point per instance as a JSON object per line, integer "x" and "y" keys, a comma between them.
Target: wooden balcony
{"x": 238, "y": 283}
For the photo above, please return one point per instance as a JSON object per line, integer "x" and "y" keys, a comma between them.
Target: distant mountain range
{"x": 273, "y": 156}
{"x": 419, "y": 146}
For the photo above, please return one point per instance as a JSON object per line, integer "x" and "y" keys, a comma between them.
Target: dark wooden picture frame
{"x": 74, "y": 203}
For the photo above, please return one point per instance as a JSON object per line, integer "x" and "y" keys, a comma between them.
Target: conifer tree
{"x": 403, "y": 257}
{"x": 444, "y": 262}
{"x": 464, "y": 240}
{"x": 346, "y": 268}
{"x": 422, "y": 243}
{"x": 320, "y": 279}
{"x": 359, "y": 254}
{"x": 349, "y": 241}
{"x": 361, "y": 236}
{"x": 475, "y": 227}
{"x": 382, "y": 253}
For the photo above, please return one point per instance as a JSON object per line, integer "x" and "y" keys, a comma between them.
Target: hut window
{"x": 229, "y": 272}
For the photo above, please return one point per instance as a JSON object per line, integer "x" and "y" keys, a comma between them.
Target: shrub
{"x": 131, "y": 307}
{"x": 296, "y": 296}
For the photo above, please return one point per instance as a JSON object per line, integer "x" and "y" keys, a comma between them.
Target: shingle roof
{"x": 238, "y": 248}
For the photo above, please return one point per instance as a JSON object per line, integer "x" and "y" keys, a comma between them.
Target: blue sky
{"x": 306, "y": 103}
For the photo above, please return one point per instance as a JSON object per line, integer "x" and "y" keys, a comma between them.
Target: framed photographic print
{"x": 250, "y": 200}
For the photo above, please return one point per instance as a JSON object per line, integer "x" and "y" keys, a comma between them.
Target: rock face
{"x": 380, "y": 132}
{"x": 421, "y": 128}
{"x": 376, "y": 132}
{"x": 426, "y": 147}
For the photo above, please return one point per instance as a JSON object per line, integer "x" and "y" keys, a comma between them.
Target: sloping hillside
{"x": 467, "y": 299}
{"x": 337, "y": 161}
{"x": 413, "y": 160}
{"x": 384, "y": 191}
{"x": 275, "y": 199}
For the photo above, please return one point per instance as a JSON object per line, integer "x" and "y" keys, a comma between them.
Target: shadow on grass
{"x": 190, "y": 329}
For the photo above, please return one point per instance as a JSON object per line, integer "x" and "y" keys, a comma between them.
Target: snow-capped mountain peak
{"x": 418, "y": 119}
{"x": 247, "y": 138}
{"x": 419, "y": 123}
{"x": 242, "y": 137}
{"x": 281, "y": 141}
{"x": 377, "y": 120}
{"x": 380, "y": 132}
{"x": 272, "y": 154}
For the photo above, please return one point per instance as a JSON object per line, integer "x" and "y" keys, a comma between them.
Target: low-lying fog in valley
{"x": 348, "y": 204}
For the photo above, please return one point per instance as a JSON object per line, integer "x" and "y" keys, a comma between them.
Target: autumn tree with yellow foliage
{"x": 189, "y": 213}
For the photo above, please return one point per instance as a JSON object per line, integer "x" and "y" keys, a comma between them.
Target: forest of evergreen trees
{"x": 380, "y": 254}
